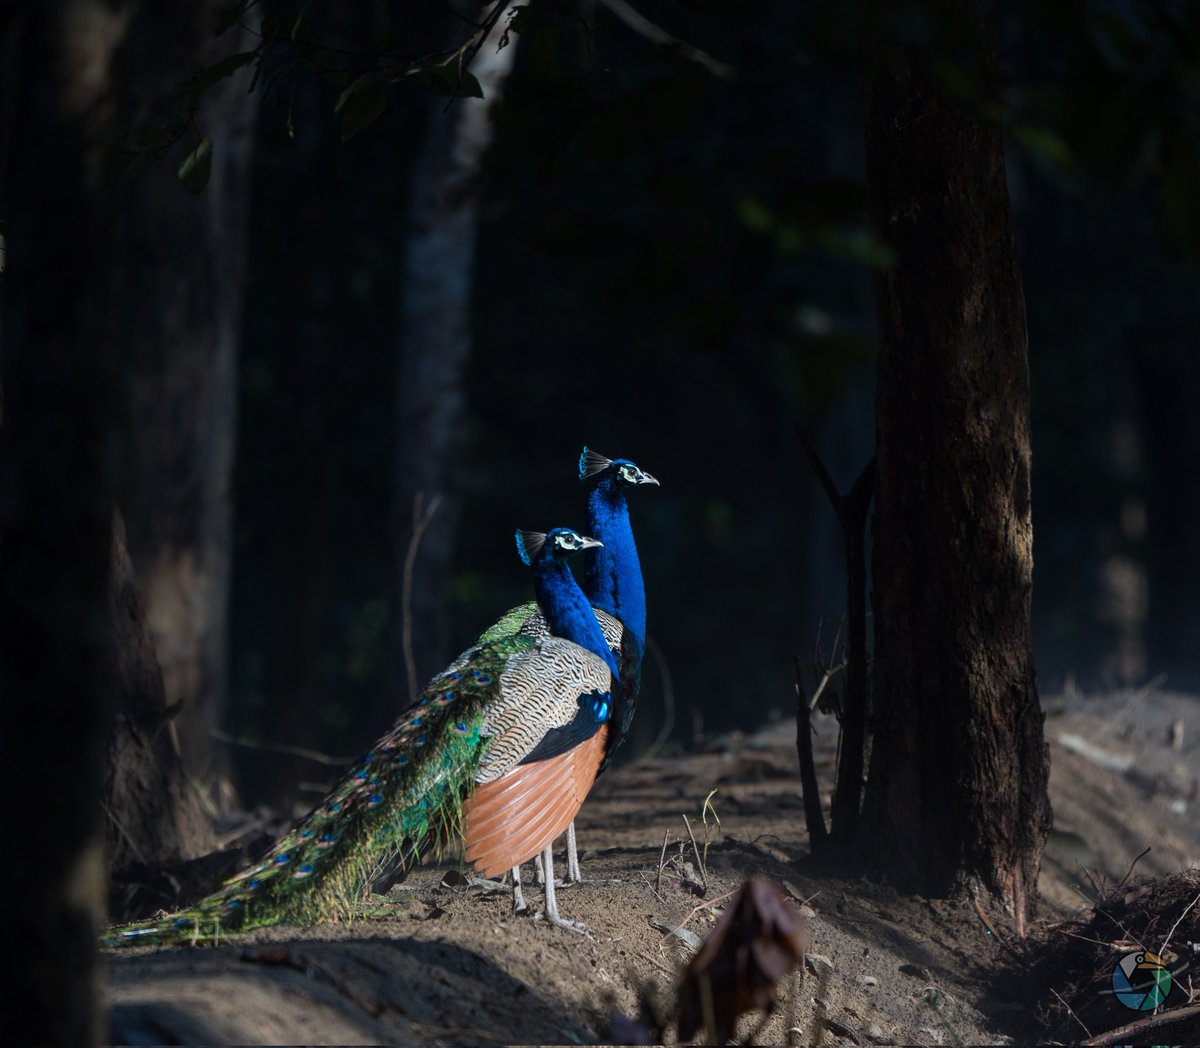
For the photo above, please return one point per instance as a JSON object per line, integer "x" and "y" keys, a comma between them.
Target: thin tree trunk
{"x": 957, "y": 789}
{"x": 438, "y": 283}
{"x": 185, "y": 270}
{"x": 61, "y": 412}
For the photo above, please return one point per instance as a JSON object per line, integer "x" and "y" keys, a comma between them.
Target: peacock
{"x": 613, "y": 584}
{"x": 499, "y": 750}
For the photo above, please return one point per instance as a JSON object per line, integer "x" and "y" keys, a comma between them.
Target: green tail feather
{"x": 408, "y": 791}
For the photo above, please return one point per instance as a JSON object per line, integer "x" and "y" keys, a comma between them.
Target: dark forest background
{"x": 670, "y": 261}
{"x": 675, "y": 266}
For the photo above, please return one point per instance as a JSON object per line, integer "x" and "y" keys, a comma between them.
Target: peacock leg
{"x": 573, "y": 874}
{"x": 539, "y": 872}
{"x": 552, "y": 914}
{"x": 518, "y": 899}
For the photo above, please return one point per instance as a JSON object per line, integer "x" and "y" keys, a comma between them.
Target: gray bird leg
{"x": 539, "y": 873}
{"x": 552, "y": 914}
{"x": 518, "y": 899}
{"x": 573, "y": 874}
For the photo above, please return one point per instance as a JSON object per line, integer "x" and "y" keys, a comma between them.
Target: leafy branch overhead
{"x": 288, "y": 42}
{"x": 361, "y": 77}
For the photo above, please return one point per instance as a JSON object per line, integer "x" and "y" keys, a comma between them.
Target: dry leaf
{"x": 758, "y": 940}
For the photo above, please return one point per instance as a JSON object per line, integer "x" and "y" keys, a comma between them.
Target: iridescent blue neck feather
{"x": 567, "y": 611}
{"x": 613, "y": 574}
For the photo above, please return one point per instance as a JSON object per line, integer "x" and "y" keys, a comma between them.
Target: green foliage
{"x": 196, "y": 167}
{"x": 1115, "y": 91}
{"x": 360, "y": 105}
{"x": 450, "y": 80}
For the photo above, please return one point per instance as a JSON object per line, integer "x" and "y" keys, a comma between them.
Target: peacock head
{"x": 555, "y": 544}
{"x": 594, "y": 468}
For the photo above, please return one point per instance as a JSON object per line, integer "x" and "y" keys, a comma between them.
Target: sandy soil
{"x": 441, "y": 961}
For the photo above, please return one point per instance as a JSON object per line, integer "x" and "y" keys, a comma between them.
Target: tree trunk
{"x": 957, "y": 790}
{"x": 185, "y": 270}
{"x": 438, "y": 282}
{"x": 62, "y": 397}
{"x": 151, "y": 812}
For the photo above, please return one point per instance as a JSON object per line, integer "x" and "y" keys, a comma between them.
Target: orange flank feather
{"x": 510, "y": 820}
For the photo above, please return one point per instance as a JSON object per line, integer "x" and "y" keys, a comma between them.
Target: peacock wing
{"x": 548, "y": 732}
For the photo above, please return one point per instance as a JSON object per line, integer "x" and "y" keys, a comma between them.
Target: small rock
{"x": 869, "y": 980}
{"x": 432, "y": 913}
{"x": 915, "y": 970}
{"x": 841, "y": 1029}
{"x": 876, "y": 1035}
{"x": 817, "y": 961}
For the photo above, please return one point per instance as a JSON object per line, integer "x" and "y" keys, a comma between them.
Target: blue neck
{"x": 613, "y": 575}
{"x": 568, "y": 614}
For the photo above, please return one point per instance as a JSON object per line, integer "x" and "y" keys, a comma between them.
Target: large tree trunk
{"x": 151, "y": 812}
{"x": 957, "y": 789}
{"x": 62, "y": 408}
{"x": 185, "y": 270}
{"x": 438, "y": 275}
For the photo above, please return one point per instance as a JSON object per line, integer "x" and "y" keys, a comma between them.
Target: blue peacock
{"x": 614, "y": 586}
{"x": 499, "y": 750}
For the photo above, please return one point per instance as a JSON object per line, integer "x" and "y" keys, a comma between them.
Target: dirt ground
{"x": 448, "y": 963}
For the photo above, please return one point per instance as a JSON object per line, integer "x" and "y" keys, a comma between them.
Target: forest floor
{"x": 444, "y": 961}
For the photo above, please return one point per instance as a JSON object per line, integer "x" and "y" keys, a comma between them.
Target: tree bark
{"x": 184, "y": 275}
{"x": 957, "y": 790}
{"x": 151, "y": 812}
{"x": 61, "y": 416}
{"x": 438, "y": 282}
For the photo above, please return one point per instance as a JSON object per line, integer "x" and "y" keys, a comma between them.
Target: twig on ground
{"x": 709, "y": 807}
{"x": 1071, "y": 1012}
{"x": 1186, "y": 911}
{"x": 662, "y": 861}
{"x": 1120, "y": 1034}
{"x": 657, "y": 964}
{"x": 1129, "y": 873}
{"x": 696, "y": 909}
{"x": 696, "y": 850}
{"x": 987, "y": 923}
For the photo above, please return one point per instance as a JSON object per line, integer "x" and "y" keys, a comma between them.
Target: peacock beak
{"x": 586, "y": 543}
{"x": 647, "y": 479}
